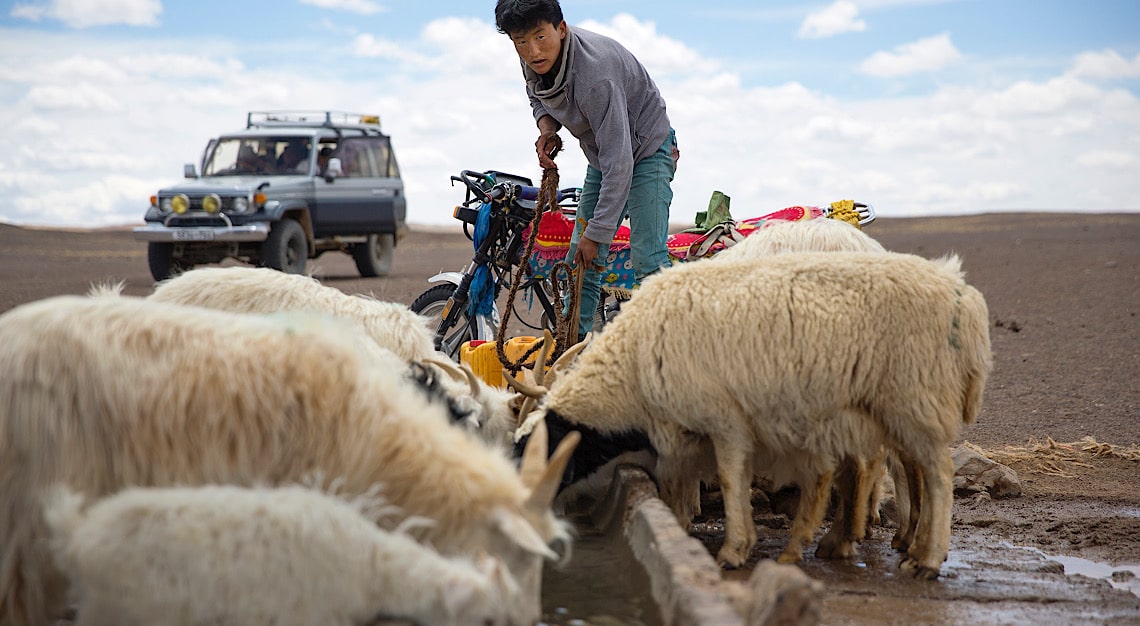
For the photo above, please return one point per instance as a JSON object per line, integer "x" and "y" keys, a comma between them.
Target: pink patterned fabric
{"x": 553, "y": 242}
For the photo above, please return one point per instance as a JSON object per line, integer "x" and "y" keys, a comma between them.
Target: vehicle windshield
{"x": 237, "y": 156}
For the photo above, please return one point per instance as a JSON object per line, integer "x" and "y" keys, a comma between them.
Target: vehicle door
{"x": 367, "y": 196}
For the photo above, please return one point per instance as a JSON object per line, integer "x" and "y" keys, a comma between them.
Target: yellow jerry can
{"x": 482, "y": 358}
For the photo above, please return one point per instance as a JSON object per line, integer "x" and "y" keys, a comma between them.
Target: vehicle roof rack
{"x": 259, "y": 119}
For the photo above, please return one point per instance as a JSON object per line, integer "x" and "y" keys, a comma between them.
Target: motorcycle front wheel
{"x": 432, "y": 304}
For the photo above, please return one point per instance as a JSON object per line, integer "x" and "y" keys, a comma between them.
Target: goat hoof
{"x": 729, "y": 560}
{"x": 835, "y": 549}
{"x": 927, "y": 573}
{"x": 789, "y": 558}
{"x": 919, "y": 571}
{"x": 899, "y": 544}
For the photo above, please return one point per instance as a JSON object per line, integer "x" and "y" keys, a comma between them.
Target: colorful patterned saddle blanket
{"x": 553, "y": 242}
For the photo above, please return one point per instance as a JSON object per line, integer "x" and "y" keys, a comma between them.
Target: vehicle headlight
{"x": 167, "y": 205}
{"x": 180, "y": 203}
{"x": 241, "y": 204}
{"x": 212, "y": 203}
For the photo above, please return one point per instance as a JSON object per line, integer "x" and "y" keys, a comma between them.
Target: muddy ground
{"x": 1062, "y": 407}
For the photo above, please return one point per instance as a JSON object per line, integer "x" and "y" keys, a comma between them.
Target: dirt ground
{"x": 1062, "y": 406}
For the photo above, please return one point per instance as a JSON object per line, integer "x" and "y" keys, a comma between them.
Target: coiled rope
{"x": 565, "y": 325}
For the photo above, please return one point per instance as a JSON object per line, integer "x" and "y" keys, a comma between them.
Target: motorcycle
{"x": 498, "y": 213}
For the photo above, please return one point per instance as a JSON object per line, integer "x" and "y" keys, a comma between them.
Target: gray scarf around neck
{"x": 539, "y": 83}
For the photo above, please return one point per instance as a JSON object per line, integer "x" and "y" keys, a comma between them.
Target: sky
{"x": 917, "y": 107}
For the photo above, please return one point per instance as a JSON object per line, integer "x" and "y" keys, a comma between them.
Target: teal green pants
{"x": 648, "y": 210}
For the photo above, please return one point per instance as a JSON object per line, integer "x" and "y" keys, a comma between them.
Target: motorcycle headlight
{"x": 180, "y": 203}
{"x": 212, "y": 203}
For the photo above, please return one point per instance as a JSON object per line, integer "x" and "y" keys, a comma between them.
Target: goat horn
{"x": 568, "y": 356}
{"x": 533, "y": 465}
{"x": 458, "y": 372}
{"x": 535, "y": 392}
{"x": 472, "y": 380}
{"x": 525, "y": 408}
{"x": 543, "y": 353}
{"x": 544, "y": 490}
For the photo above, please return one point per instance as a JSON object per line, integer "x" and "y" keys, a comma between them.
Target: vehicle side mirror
{"x": 188, "y": 171}
{"x": 332, "y": 170}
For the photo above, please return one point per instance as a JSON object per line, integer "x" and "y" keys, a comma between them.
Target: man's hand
{"x": 587, "y": 253}
{"x": 549, "y": 143}
{"x": 547, "y": 146}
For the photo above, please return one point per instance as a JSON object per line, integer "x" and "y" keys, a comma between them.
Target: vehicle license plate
{"x": 193, "y": 234}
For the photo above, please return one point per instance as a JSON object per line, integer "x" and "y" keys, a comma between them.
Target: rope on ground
{"x": 1053, "y": 458}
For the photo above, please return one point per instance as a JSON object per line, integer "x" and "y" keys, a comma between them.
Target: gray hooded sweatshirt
{"x": 602, "y": 94}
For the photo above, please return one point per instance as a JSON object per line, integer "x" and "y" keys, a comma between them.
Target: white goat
{"x": 815, "y": 235}
{"x": 394, "y": 326}
{"x": 235, "y": 555}
{"x": 863, "y": 475}
{"x": 104, "y": 393}
{"x": 799, "y": 362}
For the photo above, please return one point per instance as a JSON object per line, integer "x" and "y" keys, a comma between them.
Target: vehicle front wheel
{"x": 374, "y": 257}
{"x": 160, "y": 258}
{"x": 286, "y": 248}
{"x": 432, "y": 304}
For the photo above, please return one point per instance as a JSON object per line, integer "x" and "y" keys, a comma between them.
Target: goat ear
{"x": 533, "y": 462}
{"x": 542, "y": 495}
{"x": 522, "y": 533}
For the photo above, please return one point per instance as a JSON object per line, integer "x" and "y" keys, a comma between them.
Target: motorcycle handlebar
{"x": 531, "y": 193}
{"x": 472, "y": 180}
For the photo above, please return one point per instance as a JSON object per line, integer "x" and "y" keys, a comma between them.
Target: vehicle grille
{"x": 200, "y": 221}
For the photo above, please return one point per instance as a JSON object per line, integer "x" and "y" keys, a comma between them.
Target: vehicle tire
{"x": 374, "y": 258}
{"x": 160, "y": 258}
{"x": 286, "y": 249}
{"x": 430, "y": 304}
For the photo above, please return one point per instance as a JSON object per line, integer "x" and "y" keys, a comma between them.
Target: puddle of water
{"x": 603, "y": 585}
{"x": 1126, "y": 577}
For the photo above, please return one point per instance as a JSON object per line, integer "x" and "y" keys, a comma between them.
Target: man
{"x": 294, "y": 158}
{"x": 323, "y": 160}
{"x": 595, "y": 88}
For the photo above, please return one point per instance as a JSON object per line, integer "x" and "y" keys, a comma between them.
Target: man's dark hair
{"x": 518, "y": 16}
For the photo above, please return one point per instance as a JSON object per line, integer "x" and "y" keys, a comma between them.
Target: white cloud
{"x": 836, "y": 19}
{"x": 362, "y": 7}
{"x": 925, "y": 55}
{"x": 367, "y": 45}
{"x": 82, "y": 96}
{"x": 456, "y": 46}
{"x": 95, "y": 203}
{"x": 1110, "y": 159}
{"x": 36, "y": 125}
{"x": 826, "y": 126}
{"x": 1054, "y": 96}
{"x": 658, "y": 53}
{"x": 1106, "y": 64}
{"x": 100, "y": 125}
{"x": 88, "y": 13}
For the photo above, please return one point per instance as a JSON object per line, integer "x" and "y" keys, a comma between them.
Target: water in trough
{"x": 602, "y": 585}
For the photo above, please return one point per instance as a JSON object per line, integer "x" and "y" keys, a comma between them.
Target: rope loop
{"x": 564, "y": 324}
